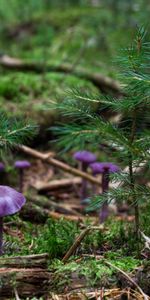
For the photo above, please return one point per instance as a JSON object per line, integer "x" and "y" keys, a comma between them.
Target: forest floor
{"x": 56, "y": 248}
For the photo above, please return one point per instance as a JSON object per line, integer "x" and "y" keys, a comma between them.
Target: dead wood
{"x": 78, "y": 241}
{"x": 104, "y": 83}
{"x": 76, "y": 244}
{"x": 57, "y": 184}
{"x": 78, "y": 219}
{"x": 97, "y": 293}
{"x": 37, "y": 214}
{"x": 125, "y": 275}
{"x": 27, "y": 281}
{"x": 60, "y": 208}
{"x": 26, "y": 261}
{"x": 58, "y": 164}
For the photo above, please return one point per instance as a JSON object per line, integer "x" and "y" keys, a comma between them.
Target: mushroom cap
{"x": 11, "y": 201}
{"x": 98, "y": 168}
{"x": 22, "y": 164}
{"x": 85, "y": 156}
{"x": 2, "y": 167}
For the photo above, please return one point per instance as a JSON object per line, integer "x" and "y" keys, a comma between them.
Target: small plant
{"x": 130, "y": 137}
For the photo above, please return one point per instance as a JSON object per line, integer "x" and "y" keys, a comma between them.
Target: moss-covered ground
{"x": 90, "y": 38}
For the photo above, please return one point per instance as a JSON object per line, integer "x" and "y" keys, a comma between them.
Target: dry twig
{"x": 58, "y": 164}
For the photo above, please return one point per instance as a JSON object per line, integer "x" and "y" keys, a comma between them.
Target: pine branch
{"x": 13, "y": 132}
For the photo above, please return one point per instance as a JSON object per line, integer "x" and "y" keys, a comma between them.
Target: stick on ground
{"x": 59, "y": 164}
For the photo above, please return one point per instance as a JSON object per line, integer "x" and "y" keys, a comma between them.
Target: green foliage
{"x": 131, "y": 136}
{"x": 81, "y": 35}
{"x": 95, "y": 272}
{"x": 54, "y": 238}
{"x": 14, "y": 132}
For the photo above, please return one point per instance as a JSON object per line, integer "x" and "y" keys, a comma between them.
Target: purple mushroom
{"x": 21, "y": 165}
{"x": 11, "y": 202}
{"x": 86, "y": 158}
{"x": 104, "y": 168}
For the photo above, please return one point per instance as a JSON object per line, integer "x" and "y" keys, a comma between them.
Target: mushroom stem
{"x": 1, "y": 235}
{"x": 21, "y": 177}
{"x": 105, "y": 186}
{"x": 84, "y": 182}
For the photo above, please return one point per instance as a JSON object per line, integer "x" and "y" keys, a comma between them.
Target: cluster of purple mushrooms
{"x": 88, "y": 160}
{"x": 11, "y": 201}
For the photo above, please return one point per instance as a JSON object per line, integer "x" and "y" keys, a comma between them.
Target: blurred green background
{"x": 85, "y": 34}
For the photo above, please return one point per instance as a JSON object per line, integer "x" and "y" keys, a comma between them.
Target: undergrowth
{"x": 95, "y": 272}
{"x": 55, "y": 237}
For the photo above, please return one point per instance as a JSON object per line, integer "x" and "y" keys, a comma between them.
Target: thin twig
{"x": 16, "y": 294}
{"x": 76, "y": 244}
{"x": 146, "y": 297}
{"x": 59, "y": 164}
{"x": 78, "y": 241}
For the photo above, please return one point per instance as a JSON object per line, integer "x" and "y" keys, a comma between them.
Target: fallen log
{"x": 104, "y": 83}
{"x": 64, "y": 208}
{"x": 40, "y": 215}
{"x": 26, "y": 281}
{"x": 26, "y": 261}
{"x": 59, "y": 164}
{"x": 57, "y": 184}
{"x": 79, "y": 219}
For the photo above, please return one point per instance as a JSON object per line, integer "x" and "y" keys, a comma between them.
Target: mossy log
{"x": 104, "y": 83}
{"x": 28, "y": 282}
{"x": 26, "y": 261}
{"x": 44, "y": 202}
{"x": 39, "y": 215}
{"x": 25, "y": 274}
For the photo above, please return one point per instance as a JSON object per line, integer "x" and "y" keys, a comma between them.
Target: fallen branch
{"x": 58, "y": 164}
{"x": 146, "y": 297}
{"x": 59, "y": 216}
{"x": 64, "y": 208}
{"x": 104, "y": 83}
{"x": 26, "y": 261}
{"x": 114, "y": 293}
{"x": 40, "y": 215}
{"x": 78, "y": 241}
{"x": 57, "y": 184}
{"x": 76, "y": 244}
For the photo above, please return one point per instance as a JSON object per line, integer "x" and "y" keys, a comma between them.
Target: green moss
{"x": 27, "y": 94}
{"x": 91, "y": 271}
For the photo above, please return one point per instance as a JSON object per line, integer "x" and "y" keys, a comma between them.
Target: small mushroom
{"x": 104, "y": 168}
{"x": 11, "y": 202}
{"x": 21, "y": 165}
{"x": 86, "y": 158}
